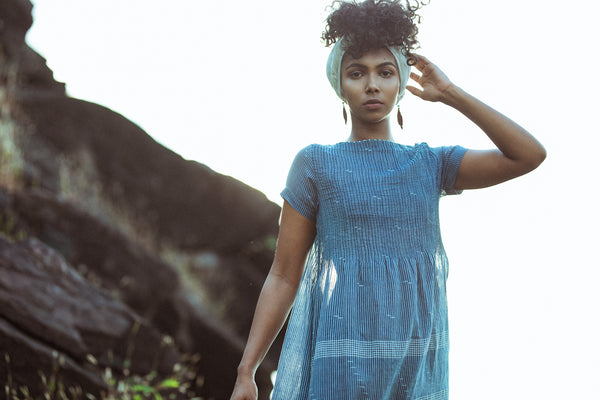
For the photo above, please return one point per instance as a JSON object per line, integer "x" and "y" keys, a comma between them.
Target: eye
{"x": 386, "y": 73}
{"x": 355, "y": 74}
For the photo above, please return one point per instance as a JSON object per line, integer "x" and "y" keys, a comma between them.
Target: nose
{"x": 372, "y": 84}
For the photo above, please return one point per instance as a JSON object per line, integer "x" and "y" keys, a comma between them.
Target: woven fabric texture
{"x": 370, "y": 318}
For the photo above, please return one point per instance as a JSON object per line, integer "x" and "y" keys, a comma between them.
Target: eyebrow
{"x": 379, "y": 66}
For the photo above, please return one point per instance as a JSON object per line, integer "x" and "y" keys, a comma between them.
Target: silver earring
{"x": 345, "y": 113}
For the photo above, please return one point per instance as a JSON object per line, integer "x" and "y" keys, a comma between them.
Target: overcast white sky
{"x": 240, "y": 86}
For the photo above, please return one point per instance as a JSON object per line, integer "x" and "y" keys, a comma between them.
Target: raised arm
{"x": 517, "y": 153}
{"x": 296, "y": 235}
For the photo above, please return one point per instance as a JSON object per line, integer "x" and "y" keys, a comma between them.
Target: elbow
{"x": 534, "y": 160}
{"x": 538, "y": 157}
{"x": 529, "y": 162}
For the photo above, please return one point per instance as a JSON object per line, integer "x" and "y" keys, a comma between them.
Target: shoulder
{"x": 418, "y": 151}
{"x": 311, "y": 150}
{"x": 308, "y": 159}
{"x": 425, "y": 148}
{"x": 442, "y": 153}
{"x": 313, "y": 153}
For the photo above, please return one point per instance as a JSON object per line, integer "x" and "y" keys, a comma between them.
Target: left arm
{"x": 517, "y": 153}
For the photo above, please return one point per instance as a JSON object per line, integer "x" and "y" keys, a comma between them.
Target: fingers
{"x": 415, "y": 77}
{"x": 422, "y": 62}
{"x": 422, "y": 58}
{"x": 415, "y": 91}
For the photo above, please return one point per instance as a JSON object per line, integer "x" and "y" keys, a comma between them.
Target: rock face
{"x": 115, "y": 253}
{"x": 48, "y": 307}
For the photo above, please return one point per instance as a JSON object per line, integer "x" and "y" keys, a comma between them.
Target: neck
{"x": 364, "y": 130}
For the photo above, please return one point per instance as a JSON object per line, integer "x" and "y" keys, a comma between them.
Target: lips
{"x": 373, "y": 104}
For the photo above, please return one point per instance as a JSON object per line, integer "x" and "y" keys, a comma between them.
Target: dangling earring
{"x": 400, "y": 120}
{"x": 345, "y": 114}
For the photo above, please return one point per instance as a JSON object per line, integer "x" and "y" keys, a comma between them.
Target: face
{"x": 370, "y": 85}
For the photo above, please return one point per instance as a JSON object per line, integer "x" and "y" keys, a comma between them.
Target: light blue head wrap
{"x": 334, "y": 65}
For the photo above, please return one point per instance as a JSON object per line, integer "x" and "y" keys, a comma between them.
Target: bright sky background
{"x": 240, "y": 86}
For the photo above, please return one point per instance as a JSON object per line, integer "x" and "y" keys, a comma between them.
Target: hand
{"x": 245, "y": 389}
{"x": 433, "y": 81}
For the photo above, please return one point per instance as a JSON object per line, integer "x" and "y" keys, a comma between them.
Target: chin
{"x": 375, "y": 120}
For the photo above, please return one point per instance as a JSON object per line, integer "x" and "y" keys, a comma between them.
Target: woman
{"x": 359, "y": 246}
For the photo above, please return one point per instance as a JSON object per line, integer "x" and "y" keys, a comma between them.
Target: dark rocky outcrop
{"x": 115, "y": 252}
{"x": 52, "y": 314}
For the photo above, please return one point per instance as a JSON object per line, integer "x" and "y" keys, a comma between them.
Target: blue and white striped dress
{"x": 370, "y": 318}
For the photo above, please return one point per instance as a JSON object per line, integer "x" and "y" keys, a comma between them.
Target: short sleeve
{"x": 300, "y": 189}
{"x": 449, "y": 158}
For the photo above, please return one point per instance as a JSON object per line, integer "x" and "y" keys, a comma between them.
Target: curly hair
{"x": 373, "y": 24}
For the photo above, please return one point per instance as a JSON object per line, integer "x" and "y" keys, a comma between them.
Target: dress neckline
{"x": 369, "y": 144}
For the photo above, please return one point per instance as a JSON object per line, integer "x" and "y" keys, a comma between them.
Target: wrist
{"x": 247, "y": 371}
{"x": 452, "y": 96}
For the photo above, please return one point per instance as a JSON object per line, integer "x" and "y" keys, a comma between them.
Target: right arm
{"x": 296, "y": 235}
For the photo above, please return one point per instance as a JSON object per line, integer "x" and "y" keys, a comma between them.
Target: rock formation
{"x": 118, "y": 258}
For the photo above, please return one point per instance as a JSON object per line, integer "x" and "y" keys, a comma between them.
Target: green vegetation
{"x": 133, "y": 387}
{"x": 9, "y": 227}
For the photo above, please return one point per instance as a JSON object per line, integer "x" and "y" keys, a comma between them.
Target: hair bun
{"x": 373, "y": 24}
